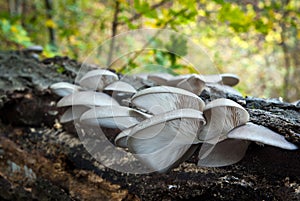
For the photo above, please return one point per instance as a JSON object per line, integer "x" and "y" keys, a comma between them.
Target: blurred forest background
{"x": 257, "y": 40}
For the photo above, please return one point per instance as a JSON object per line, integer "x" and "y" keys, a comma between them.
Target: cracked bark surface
{"x": 39, "y": 160}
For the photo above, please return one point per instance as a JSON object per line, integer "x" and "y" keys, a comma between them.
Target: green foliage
{"x": 254, "y": 39}
{"x": 14, "y": 33}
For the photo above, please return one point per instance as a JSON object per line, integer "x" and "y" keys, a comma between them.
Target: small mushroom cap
{"x": 73, "y": 113}
{"x": 211, "y": 78}
{"x": 162, "y": 140}
{"x": 120, "y": 86}
{"x": 258, "y": 133}
{"x": 98, "y": 79}
{"x": 160, "y": 78}
{"x": 113, "y": 117}
{"x": 193, "y": 84}
{"x": 222, "y": 115}
{"x": 35, "y": 48}
{"x": 230, "y": 79}
{"x": 121, "y": 139}
{"x": 224, "y": 153}
{"x": 163, "y": 98}
{"x": 64, "y": 88}
{"x": 87, "y": 98}
{"x": 175, "y": 80}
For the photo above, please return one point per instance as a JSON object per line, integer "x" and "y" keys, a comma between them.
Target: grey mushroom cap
{"x": 194, "y": 84}
{"x": 230, "y": 79}
{"x": 162, "y": 140}
{"x": 64, "y": 88}
{"x": 87, "y": 98}
{"x": 120, "y": 86}
{"x": 222, "y": 115}
{"x": 118, "y": 117}
{"x": 98, "y": 79}
{"x": 160, "y": 78}
{"x": 163, "y": 98}
{"x": 224, "y": 153}
{"x": 261, "y": 134}
{"x": 73, "y": 113}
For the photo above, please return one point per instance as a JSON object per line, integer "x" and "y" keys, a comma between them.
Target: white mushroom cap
{"x": 173, "y": 81}
{"x": 211, "y": 78}
{"x": 222, "y": 115}
{"x": 162, "y": 99}
{"x": 64, "y": 88}
{"x": 87, "y": 98}
{"x": 193, "y": 84}
{"x": 230, "y": 79}
{"x": 162, "y": 140}
{"x": 73, "y": 113}
{"x": 113, "y": 117}
{"x": 261, "y": 134}
{"x": 121, "y": 139}
{"x": 120, "y": 86}
{"x": 160, "y": 78}
{"x": 97, "y": 79}
{"x": 224, "y": 153}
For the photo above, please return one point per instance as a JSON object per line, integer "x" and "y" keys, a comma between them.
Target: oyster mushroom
{"x": 64, "y": 88}
{"x": 160, "y": 78}
{"x": 80, "y": 102}
{"x": 87, "y": 98}
{"x": 120, "y": 86}
{"x": 222, "y": 115}
{"x": 118, "y": 117}
{"x": 227, "y": 134}
{"x": 163, "y": 98}
{"x": 257, "y": 133}
{"x": 73, "y": 113}
{"x": 193, "y": 84}
{"x": 230, "y": 79}
{"x": 165, "y": 139}
{"x": 97, "y": 79}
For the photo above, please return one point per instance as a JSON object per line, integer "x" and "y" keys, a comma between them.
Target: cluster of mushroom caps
{"x": 163, "y": 125}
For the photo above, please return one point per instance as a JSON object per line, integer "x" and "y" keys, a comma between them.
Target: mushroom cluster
{"x": 165, "y": 124}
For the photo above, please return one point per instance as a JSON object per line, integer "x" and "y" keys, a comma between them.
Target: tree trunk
{"x": 41, "y": 160}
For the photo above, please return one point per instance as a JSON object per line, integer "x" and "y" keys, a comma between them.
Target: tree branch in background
{"x": 114, "y": 32}
{"x": 49, "y": 10}
{"x": 152, "y": 38}
{"x": 138, "y": 15}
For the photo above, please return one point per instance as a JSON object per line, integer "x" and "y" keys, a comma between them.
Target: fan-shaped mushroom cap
{"x": 97, "y": 79}
{"x": 121, "y": 139}
{"x": 193, "y": 84}
{"x": 73, "y": 113}
{"x": 258, "y": 133}
{"x": 113, "y": 117}
{"x": 162, "y": 99}
{"x": 211, "y": 78}
{"x": 87, "y": 98}
{"x": 64, "y": 88}
{"x": 224, "y": 153}
{"x": 160, "y": 78}
{"x": 222, "y": 115}
{"x": 162, "y": 140}
{"x": 173, "y": 81}
{"x": 230, "y": 79}
{"x": 120, "y": 86}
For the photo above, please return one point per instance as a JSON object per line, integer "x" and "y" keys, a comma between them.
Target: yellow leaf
{"x": 13, "y": 29}
{"x": 51, "y": 24}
